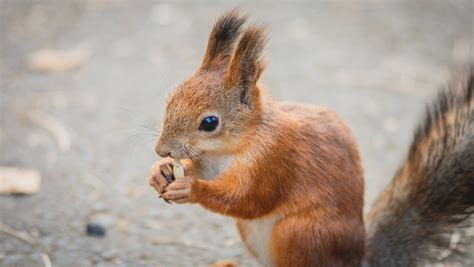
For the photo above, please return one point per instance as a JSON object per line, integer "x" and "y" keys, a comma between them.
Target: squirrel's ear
{"x": 247, "y": 63}
{"x": 221, "y": 42}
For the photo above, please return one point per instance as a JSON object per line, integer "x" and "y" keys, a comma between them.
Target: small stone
{"x": 95, "y": 230}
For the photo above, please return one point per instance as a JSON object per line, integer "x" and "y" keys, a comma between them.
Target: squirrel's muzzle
{"x": 162, "y": 149}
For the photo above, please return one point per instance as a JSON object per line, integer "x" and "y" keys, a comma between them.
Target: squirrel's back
{"x": 433, "y": 191}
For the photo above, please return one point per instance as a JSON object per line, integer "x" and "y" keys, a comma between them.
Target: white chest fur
{"x": 256, "y": 235}
{"x": 215, "y": 165}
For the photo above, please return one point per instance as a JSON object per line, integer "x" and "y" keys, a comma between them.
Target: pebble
{"x": 95, "y": 230}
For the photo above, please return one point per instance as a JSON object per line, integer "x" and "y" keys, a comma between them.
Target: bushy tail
{"x": 433, "y": 191}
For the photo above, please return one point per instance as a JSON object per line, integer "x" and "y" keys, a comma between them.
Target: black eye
{"x": 209, "y": 124}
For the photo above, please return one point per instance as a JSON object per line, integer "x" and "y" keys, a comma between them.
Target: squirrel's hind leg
{"x": 307, "y": 240}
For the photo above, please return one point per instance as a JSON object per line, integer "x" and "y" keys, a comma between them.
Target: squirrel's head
{"x": 215, "y": 110}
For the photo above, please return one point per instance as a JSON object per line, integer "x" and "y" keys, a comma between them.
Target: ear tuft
{"x": 221, "y": 42}
{"x": 247, "y": 62}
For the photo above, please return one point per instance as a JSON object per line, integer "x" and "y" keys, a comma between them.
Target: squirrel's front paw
{"x": 161, "y": 174}
{"x": 181, "y": 190}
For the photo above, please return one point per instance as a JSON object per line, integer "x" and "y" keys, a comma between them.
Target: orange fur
{"x": 292, "y": 170}
{"x": 290, "y": 174}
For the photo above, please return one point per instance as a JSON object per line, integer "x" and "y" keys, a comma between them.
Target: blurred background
{"x": 83, "y": 86}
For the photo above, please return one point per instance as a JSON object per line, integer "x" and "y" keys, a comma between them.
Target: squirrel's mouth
{"x": 188, "y": 153}
{"x": 181, "y": 154}
{"x": 175, "y": 156}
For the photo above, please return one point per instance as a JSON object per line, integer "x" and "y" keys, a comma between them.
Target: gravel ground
{"x": 376, "y": 63}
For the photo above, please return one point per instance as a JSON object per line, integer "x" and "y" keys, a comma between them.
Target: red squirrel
{"x": 291, "y": 175}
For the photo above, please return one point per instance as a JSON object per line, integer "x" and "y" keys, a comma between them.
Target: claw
{"x": 166, "y": 200}
{"x": 169, "y": 178}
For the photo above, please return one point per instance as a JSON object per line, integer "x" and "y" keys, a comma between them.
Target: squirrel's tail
{"x": 433, "y": 191}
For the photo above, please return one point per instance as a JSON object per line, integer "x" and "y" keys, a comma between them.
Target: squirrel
{"x": 291, "y": 174}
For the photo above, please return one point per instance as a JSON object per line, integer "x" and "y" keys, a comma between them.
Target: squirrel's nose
{"x": 162, "y": 150}
{"x": 162, "y": 153}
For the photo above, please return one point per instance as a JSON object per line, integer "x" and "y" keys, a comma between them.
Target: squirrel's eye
{"x": 209, "y": 124}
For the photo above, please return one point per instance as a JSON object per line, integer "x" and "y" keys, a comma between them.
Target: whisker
{"x": 145, "y": 127}
{"x": 137, "y": 138}
{"x": 182, "y": 149}
{"x": 186, "y": 151}
{"x": 199, "y": 155}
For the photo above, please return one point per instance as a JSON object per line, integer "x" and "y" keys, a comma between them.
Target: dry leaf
{"x": 19, "y": 181}
{"x": 224, "y": 263}
{"x": 53, "y": 61}
{"x": 54, "y": 127}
